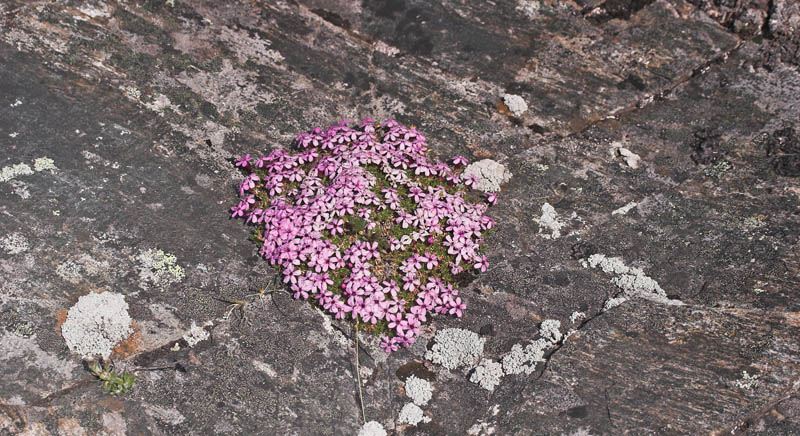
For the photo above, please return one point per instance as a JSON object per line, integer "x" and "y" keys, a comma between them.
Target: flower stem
{"x": 358, "y": 378}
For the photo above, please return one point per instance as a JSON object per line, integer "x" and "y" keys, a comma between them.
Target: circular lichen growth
{"x": 96, "y": 323}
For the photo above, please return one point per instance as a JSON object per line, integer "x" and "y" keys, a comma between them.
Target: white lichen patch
{"x": 613, "y": 302}
{"x": 21, "y": 189}
{"x": 249, "y": 46}
{"x": 747, "y": 382}
{"x": 159, "y": 103}
{"x": 419, "y": 390}
{"x": 549, "y": 330}
{"x": 624, "y": 209}
{"x": 577, "y": 316}
{"x": 96, "y": 323}
{"x": 230, "y": 90}
{"x": 43, "y": 163}
{"x": 412, "y": 414}
{"x": 529, "y": 8}
{"x": 10, "y": 172}
{"x": 521, "y": 359}
{"x": 266, "y": 368}
{"x": 385, "y": 48}
{"x": 197, "y": 334}
{"x": 632, "y": 281}
{"x": 487, "y": 374}
{"x": 333, "y": 333}
{"x": 515, "y": 104}
{"x": 78, "y": 269}
{"x": 630, "y": 158}
{"x": 93, "y": 11}
{"x": 168, "y": 416}
{"x": 372, "y": 428}
{"x": 481, "y": 429}
{"x": 14, "y": 243}
{"x": 549, "y": 221}
{"x": 19, "y": 353}
{"x": 114, "y": 424}
{"x": 159, "y": 268}
{"x": 490, "y": 174}
{"x": 456, "y": 347}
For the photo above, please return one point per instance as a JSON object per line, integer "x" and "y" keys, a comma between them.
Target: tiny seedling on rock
{"x": 113, "y": 383}
{"x": 240, "y": 305}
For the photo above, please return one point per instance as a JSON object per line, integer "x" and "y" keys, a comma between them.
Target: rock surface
{"x": 119, "y": 119}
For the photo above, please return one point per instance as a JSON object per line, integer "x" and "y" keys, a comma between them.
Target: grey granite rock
{"x": 119, "y": 119}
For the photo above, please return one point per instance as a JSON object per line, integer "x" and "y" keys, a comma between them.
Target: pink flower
{"x": 482, "y": 264}
{"x": 336, "y": 227}
{"x": 243, "y": 161}
{"x": 301, "y": 201}
{"x": 430, "y": 260}
{"x": 456, "y": 307}
{"x": 240, "y": 209}
{"x": 459, "y": 160}
{"x": 388, "y": 344}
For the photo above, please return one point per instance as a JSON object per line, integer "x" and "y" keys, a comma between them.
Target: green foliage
{"x": 113, "y": 383}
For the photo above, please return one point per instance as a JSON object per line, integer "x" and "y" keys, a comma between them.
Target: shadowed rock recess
{"x": 644, "y": 269}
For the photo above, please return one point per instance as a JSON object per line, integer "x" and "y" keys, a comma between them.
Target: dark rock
{"x": 141, "y": 106}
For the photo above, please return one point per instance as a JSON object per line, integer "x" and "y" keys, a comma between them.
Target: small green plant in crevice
{"x": 240, "y": 304}
{"x": 113, "y": 382}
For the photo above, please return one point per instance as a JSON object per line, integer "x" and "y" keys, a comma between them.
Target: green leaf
{"x": 356, "y": 223}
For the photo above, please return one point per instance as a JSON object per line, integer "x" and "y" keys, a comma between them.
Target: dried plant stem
{"x": 358, "y": 379}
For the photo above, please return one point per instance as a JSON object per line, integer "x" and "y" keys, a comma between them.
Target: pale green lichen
{"x": 43, "y": 163}
{"x": 133, "y": 93}
{"x": 22, "y": 329}
{"x": 752, "y": 223}
{"x": 160, "y": 268}
{"x": 8, "y": 173}
{"x": 718, "y": 169}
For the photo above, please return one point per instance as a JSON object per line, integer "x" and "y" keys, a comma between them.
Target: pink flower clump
{"x": 361, "y": 224}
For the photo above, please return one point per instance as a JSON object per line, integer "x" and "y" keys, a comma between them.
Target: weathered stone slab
{"x": 650, "y": 134}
